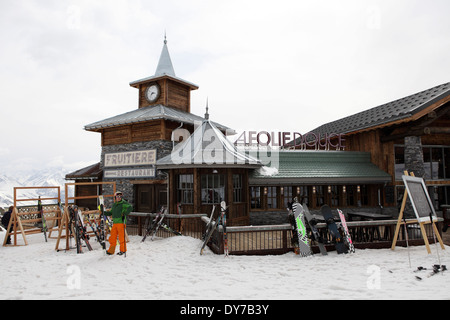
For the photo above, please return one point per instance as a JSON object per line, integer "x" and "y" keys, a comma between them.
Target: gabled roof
{"x": 207, "y": 146}
{"x": 388, "y": 113}
{"x": 320, "y": 167}
{"x": 147, "y": 114}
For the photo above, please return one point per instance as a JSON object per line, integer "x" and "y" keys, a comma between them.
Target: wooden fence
{"x": 276, "y": 239}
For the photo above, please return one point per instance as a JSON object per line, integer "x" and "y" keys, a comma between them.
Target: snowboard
{"x": 315, "y": 232}
{"x": 332, "y": 228}
{"x": 348, "y": 239}
{"x": 299, "y": 228}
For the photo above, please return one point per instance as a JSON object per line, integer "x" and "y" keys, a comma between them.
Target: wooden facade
{"x": 159, "y": 129}
{"x": 237, "y": 204}
{"x": 173, "y": 94}
{"x": 380, "y": 139}
{"x": 431, "y": 123}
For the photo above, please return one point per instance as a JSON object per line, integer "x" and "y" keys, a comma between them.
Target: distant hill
{"x": 41, "y": 178}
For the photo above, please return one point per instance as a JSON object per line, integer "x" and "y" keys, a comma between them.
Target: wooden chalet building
{"x": 132, "y": 142}
{"x": 142, "y": 153}
{"x": 412, "y": 133}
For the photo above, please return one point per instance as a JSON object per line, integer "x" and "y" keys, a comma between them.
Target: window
{"x": 364, "y": 195}
{"x": 334, "y": 195}
{"x": 271, "y": 197}
{"x": 287, "y": 195}
{"x": 213, "y": 188}
{"x": 399, "y": 162}
{"x": 320, "y": 196}
{"x": 185, "y": 192}
{"x": 237, "y": 188}
{"x": 351, "y": 196}
{"x": 255, "y": 197}
{"x": 447, "y": 163}
{"x": 302, "y": 194}
{"x": 436, "y": 162}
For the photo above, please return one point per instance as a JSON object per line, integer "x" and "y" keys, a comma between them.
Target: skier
{"x": 5, "y": 221}
{"x": 119, "y": 211}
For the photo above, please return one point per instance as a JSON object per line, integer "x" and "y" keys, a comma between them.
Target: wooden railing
{"x": 276, "y": 239}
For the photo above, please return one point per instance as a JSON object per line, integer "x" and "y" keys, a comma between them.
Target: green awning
{"x": 319, "y": 167}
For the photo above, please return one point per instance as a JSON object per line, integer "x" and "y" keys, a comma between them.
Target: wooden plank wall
{"x": 173, "y": 94}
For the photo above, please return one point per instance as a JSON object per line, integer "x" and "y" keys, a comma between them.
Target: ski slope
{"x": 173, "y": 269}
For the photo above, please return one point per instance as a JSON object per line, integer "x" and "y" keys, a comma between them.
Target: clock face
{"x": 153, "y": 92}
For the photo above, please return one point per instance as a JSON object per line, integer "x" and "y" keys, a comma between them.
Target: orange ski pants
{"x": 118, "y": 229}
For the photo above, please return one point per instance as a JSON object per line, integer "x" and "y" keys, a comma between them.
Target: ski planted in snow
{"x": 44, "y": 223}
{"x": 101, "y": 226}
{"x": 210, "y": 227}
{"x": 223, "y": 209}
{"x": 155, "y": 223}
{"x": 80, "y": 229}
{"x": 348, "y": 238}
{"x": 332, "y": 228}
{"x": 315, "y": 232}
{"x": 299, "y": 228}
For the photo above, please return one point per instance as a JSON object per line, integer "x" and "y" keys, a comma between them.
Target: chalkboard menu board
{"x": 420, "y": 199}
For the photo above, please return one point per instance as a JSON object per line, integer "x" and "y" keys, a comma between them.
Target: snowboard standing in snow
{"x": 332, "y": 228}
{"x": 299, "y": 228}
{"x": 348, "y": 239}
{"x": 315, "y": 233}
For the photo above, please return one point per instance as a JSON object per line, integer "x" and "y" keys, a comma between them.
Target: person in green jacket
{"x": 119, "y": 212}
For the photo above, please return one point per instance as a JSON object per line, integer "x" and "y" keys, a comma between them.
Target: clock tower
{"x": 164, "y": 87}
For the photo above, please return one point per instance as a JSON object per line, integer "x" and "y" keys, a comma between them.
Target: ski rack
{"x": 66, "y": 215}
{"x": 16, "y": 226}
{"x": 400, "y": 222}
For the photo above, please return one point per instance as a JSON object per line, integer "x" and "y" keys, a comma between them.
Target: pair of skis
{"x": 155, "y": 224}
{"x": 213, "y": 224}
{"x": 79, "y": 229}
{"x": 437, "y": 268}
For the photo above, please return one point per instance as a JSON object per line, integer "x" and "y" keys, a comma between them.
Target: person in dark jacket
{"x": 5, "y": 222}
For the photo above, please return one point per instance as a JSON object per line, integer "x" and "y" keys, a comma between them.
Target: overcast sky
{"x": 264, "y": 65}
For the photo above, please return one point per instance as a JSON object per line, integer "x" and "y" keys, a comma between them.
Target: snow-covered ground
{"x": 173, "y": 269}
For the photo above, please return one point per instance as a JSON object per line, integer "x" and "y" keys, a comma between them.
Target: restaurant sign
{"x": 139, "y": 164}
{"x": 310, "y": 140}
{"x": 130, "y": 173}
{"x": 130, "y": 158}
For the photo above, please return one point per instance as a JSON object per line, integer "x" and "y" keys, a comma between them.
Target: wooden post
{"x": 65, "y": 215}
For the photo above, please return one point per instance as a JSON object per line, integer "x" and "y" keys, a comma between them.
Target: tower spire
{"x": 165, "y": 66}
{"x": 207, "y": 113}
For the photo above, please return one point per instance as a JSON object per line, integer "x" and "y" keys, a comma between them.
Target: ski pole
{"x": 407, "y": 240}
{"x": 434, "y": 237}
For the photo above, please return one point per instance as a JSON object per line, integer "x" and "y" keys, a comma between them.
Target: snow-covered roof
{"x": 147, "y": 114}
